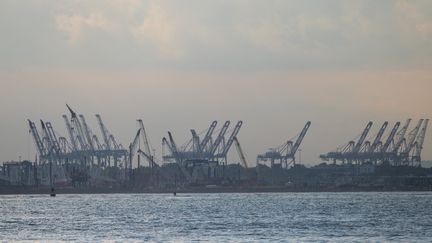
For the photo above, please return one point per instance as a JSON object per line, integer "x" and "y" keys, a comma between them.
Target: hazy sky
{"x": 182, "y": 64}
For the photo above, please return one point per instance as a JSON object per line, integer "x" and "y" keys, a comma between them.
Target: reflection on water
{"x": 219, "y": 217}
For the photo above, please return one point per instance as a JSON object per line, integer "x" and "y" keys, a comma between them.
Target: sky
{"x": 182, "y": 64}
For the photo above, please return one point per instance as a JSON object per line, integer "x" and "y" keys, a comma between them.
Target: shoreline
{"x": 221, "y": 190}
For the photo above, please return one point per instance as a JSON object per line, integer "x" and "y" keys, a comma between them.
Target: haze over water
{"x": 336, "y": 217}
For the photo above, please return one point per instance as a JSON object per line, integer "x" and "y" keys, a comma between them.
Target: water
{"x": 219, "y": 217}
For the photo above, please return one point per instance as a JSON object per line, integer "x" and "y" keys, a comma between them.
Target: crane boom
{"x": 412, "y": 136}
{"x": 104, "y": 131}
{"x": 300, "y": 138}
{"x": 231, "y": 138}
{"x": 420, "y": 140}
{"x": 208, "y": 135}
{"x": 196, "y": 145}
{"x": 165, "y": 142}
{"x": 87, "y": 133}
{"x": 362, "y": 137}
{"x": 240, "y": 152}
{"x": 78, "y": 129}
{"x": 390, "y": 137}
{"x": 401, "y": 136}
{"x": 145, "y": 139}
{"x": 114, "y": 142}
{"x": 134, "y": 144}
{"x": 71, "y": 133}
{"x": 177, "y": 158}
{"x": 220, "y": 137}
{"x": 46, "y": 137}
{"x": 173, "y": 145}
{"x": 378, "y": 137}
{"x": 53, "y": 137}
{"x": 39, "y": 145}
{"x": 149, "y": 158}
{"x": 96, "y": 142}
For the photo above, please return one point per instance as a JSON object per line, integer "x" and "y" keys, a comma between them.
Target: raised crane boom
{"x": 173, "y": 145}
{"x": 362, "y": 138}
{"x": 145, "y": 139}
{"x": 412, "y": 136}
{"x": 208, "y": 135}
{"x": 46, "y": 139}
{"x": 176, "y": 157}
{"x": 104, "y": 131}
{"x": 39, "y": 145}
{"x": 134, "y": 144}
{"x": 420, "y": 141}
{"x": 220, "y": 137}
{"x": 78, "y": 129}
{"x": 240, "y": 152}
{"x": 165, "y": 142}
{"x": 231, "y": 138}
{"x": 378, "y": 138}
{"x": 401, "y": 136}
{"x": 114, "y": 142}
{"x": 390, "y": 138}
{"x": 149, "y": 158}
{"x": 53, "y": 137}
{"x": 87, "y": 133}
{"x": 300, "y": 139}
{"x": 71, "y": 133}
{"x": 196, "y": 146}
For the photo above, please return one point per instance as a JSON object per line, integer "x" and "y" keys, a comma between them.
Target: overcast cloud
{"x": 181, "y": 64}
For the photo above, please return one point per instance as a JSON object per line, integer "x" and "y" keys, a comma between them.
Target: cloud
{"x": 234, "y": 35}
{"x": 159, "y": 30}
{"x": 74, "y": 25}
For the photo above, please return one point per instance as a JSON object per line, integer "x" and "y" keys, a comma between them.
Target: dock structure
{"x": 400, "y": 148}
{"x": 83, "y": 149}
{"x": 284, "y": 155}
{"x": 202, "y": 155}
{"x": 85, "y": 159}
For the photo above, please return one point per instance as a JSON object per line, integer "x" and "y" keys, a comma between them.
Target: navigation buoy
{"x": 52, "y": 192}
{"x": 175, "y": 194}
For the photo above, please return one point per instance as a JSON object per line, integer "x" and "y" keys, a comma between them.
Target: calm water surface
{"x": 219, "y": 217}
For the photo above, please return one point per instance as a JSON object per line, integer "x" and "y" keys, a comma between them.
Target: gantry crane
{"x": 285, "y": 154}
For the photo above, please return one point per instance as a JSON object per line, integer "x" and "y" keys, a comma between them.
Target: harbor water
{"x": 258, "y": 217}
